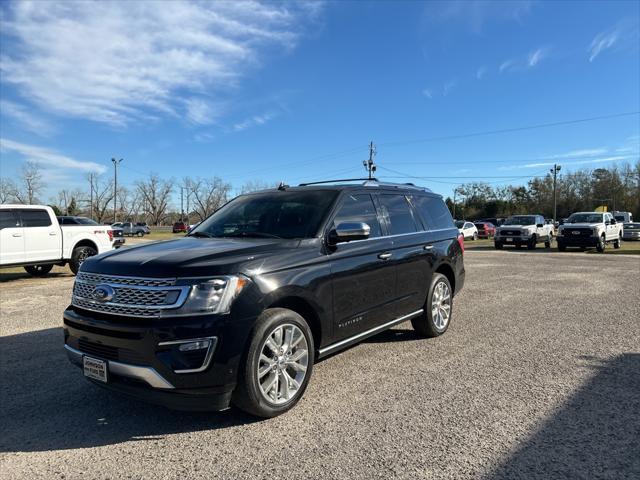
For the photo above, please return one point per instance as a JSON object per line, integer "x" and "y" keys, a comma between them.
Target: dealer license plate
{"x": 95, "y": 369}
{"x": 508, "y": 239}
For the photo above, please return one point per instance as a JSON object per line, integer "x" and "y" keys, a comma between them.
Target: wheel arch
{"x": 305, "y": 309}
{"x": 447, "y": 270}
{"x": 85, "y": 242}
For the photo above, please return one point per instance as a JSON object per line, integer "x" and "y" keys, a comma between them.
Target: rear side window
{"x": 359, "y": 208}
{"x": 35, "y": 218}
{"x": 397, "y": 211}
{"x": 8, "y": 219}
{"x": 434, "y": 212}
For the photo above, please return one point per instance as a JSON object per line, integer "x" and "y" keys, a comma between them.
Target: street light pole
{"x": 115, "y": 188}
{"x": 556, "y": 168}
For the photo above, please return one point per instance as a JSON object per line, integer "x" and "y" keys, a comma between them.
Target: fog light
{"x": 199, "y": 345}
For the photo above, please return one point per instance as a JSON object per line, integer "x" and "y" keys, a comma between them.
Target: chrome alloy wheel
{"x": 282, "y": 367}
{"x": 441, "y": 305}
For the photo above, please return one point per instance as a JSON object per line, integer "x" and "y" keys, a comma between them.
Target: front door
{"x": 363, "y": 278}
{"x": 11, "y": 238}
{"x": 42, "y": 237}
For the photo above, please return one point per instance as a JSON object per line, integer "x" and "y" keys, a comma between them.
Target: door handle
{"x": 428, "y": 247}
{"x": 17, "y": 234}
{"x": 385, "y": 256}
{"x": 53, "y": 234}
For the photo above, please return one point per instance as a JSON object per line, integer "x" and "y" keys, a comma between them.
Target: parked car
{"x": 495, "y": 221}
{"x": 144, "y": 227}
{"x": 631, "y": 231}
{"x": 191, "y": 227}
{"x": 240, "y": 309}
{"x": 117, "y": 236}
{"x": 590, "y": 229}
{"x": 485, "y": 229}
{"x": 131, "y": 229}
{"x": 180, "y": 227}
{"x": 31, "y": 237}
{"x": 467, "y": 229}
{"x": 522, "y": 230}
{"x": 623, "y": 217}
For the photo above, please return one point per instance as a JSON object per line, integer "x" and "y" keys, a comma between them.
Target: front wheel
{"x": 140, "y": 234}
{"x": 277, "y": 366}
{"x": 38, "y": 270}
{"x": 79, "y": 255}
{"x": 602, "y": 244}
{"x": 532, "y": 243}
{"x": 498, "y": 245}
{"x": 438, "y": 309}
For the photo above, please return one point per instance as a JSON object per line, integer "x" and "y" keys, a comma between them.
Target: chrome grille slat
{"x": 132, "y": 296}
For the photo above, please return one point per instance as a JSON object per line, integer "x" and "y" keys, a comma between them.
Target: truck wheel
{"x": 547, "y": 244}
{"x": 277, "y": 366}
{"x": 561, "y": 248}
{"x": 617, "y": 243}
{"x": 437, "y": 310}
{"x": 38, "y": 270}
{"x": 79, "y": 255}
{"x": 140, "y": 234}
{"x": 602, "y": 244}
{"x": 531, "y": 244}
{"x": 498, "y": 245}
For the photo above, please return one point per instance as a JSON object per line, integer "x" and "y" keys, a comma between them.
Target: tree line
{"x": 617, "y": 188}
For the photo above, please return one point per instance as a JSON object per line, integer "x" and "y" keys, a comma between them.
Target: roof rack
{"x": 369, "y": 182}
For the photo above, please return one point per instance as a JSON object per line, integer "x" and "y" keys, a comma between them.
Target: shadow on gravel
{"x": 45, "y": 404}
{"x": 596, "y": 434}
{"x": 395, "y": 335}
{"x": 11, "y": 276}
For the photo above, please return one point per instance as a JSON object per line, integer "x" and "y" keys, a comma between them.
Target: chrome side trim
{"x": 146, "y": 374}
{"x": 371, "y": 331}
{"x": 207, "y": 359}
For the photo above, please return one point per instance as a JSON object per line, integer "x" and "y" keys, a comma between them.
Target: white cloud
{"x": 478, "y": 13}
{"x": 506, "y": 65}
{"x": 119, "y": 62}
{"x": 427, "y": 93}
{"x": 448, "y": 87}
{"x": 585, "y": 152}
{"x": 481, "y": 72}
{"x": 536, "y": 56}
{"x": 49, "y": 158}
{"x": 601, "y": 42}
{"x": 254, "y": 121}
{"x": 579, "y": 162}
{"x": 25, "y": 117}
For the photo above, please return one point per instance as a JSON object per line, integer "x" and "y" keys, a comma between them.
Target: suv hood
{"x": 187, "y": 257}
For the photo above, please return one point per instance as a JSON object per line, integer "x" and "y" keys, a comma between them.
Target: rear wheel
{"x": 437, "y": 310}
{"x": 79, "y": 255}
{"x": 547, "y": 244}
{"x": 140, "y": 234}
{"x": 38, "y": 270}
{"x": 277, "y": 366}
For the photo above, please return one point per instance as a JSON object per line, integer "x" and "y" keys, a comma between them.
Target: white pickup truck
{"x": 590, "y": 229}
{"x": 522, "y": 230}
{"x": 31, "y": 237}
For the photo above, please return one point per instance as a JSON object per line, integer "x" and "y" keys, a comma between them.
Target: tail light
{"x": 461, "y": 242}
{"x": 110, "y": 233}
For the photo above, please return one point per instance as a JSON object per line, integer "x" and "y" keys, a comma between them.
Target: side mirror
{"x": 540, "y": 225}
{"x": 613, "y": 221}
{"x": 349, "y": 231}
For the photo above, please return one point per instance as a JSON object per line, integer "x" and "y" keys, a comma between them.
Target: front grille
{"x": 131, "y": 296}
{"x": 511, "y": 233}
{"x": 578, "y": 232}
{"x": 108, "y": 352}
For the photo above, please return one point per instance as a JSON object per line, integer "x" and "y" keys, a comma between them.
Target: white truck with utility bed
{"x": 522, "y": 230}
{"x": 590, "y": 229}
{"x": 31, "y": 237}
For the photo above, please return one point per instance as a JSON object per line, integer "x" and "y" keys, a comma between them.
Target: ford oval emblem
{"x": 103, "y": 293}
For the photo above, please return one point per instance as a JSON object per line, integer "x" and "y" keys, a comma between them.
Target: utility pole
{"x": 91, "y": 195}
{"x": 556, "y": 168}
{"x": 369, "y": 166}
{"x": 115, "y": 188}
{"x": 182, "y": 204}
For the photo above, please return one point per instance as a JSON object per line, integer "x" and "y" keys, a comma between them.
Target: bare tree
{"x": 255, "y": 185}
{"x": 129, "y": 203}
{"x": 102, "y": 197}
{"x": 30, "y": 185}
{"x": 7, "y": 190}
{"x": 208, "y": 195}
{"x": 155, "y": 194}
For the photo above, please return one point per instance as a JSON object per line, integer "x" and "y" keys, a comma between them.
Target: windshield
{"x": 585, "y": 218}
{"x": 459, "y": 223}
{"x": 269, "y": 215}
{"x": 520, "y": 220}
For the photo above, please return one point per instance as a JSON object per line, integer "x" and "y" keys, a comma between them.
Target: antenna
{"x": 369, "y": 166}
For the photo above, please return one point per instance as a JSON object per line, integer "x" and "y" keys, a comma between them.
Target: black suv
{"x": 241, "y": 308}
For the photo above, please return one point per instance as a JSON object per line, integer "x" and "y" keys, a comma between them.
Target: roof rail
{"x": 369, "y": 182}
{"x": 339, "y": 180}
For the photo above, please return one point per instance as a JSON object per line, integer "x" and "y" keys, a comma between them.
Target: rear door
{"x": 410, "y": 254}
{"x": 42, "y": 237}
{"x": 11, "y": 238}
{"x": 363, "y": 279}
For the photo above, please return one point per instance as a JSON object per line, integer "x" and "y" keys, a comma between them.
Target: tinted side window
{"x": 8, "y": 219}
{"x": 397, "y": 211}
{"x": 359, "y": 208}
{"x": 35, "y": 218}
{"x": 434, "y": 212}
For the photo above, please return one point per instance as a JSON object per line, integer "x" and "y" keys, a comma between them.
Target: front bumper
{"x": 512, "y": 239}
{"x": 577, "y": 241}
{"x": 144, "y": 361}
{"x": 631, "y": 235}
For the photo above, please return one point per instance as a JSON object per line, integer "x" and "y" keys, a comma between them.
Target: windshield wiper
{"x": 200, "y": 234}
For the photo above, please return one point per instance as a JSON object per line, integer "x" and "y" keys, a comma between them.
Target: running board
{"x": 360, "y": 336}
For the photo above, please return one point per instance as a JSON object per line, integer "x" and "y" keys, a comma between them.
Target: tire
{"x": 249, "y": 395}
{"x": 602, "y": 244}
{"x": 432, "y": 322}
{"x": 79, "y": 255}
{"x": 38, "y": 270}
{"x": 617, "y": 243}
{"x": 531, "y": 244}
{"x": 547, "y": 244}
{"x": 140, "y": 234}
{"x": 498, "y": 245}
{"x": 561, "y": 248}
{"x": 475, "y": 236}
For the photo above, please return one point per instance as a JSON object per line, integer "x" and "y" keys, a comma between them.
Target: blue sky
{"x": 295, "y": 91}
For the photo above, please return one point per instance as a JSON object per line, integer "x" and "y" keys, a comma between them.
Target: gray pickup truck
{"x": 131, "y": 229}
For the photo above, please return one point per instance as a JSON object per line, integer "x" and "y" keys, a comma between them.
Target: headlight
{"x": 210, "y": 296}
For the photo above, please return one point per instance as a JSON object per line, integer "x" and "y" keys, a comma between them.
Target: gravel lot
{"x": 538, "y": 377}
